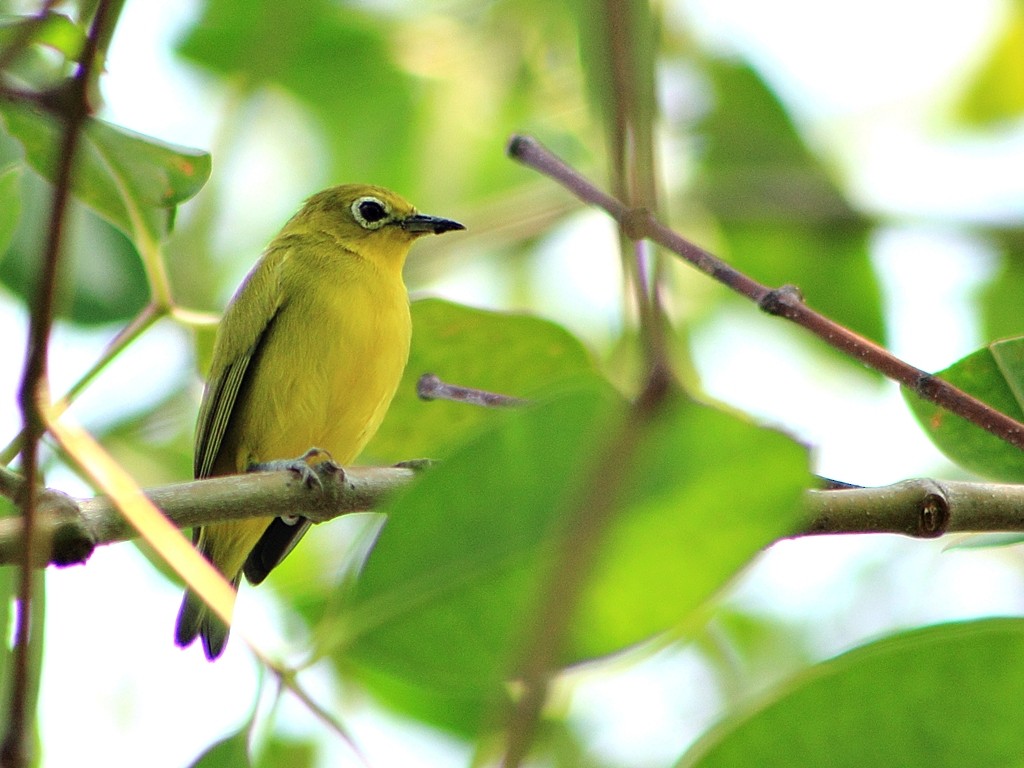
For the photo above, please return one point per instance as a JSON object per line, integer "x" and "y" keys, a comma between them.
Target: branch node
{"x": 933, "y": 516}
{"x": 634, "y": 223}
{"x": 781, "y": 301}
{"x": 518, "y": 145}
{"x": 927, "y": 385}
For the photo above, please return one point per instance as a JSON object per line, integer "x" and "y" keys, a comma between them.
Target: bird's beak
{"x": 419, "y": 223}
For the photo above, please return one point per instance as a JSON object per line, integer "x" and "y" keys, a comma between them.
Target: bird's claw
{"x": 310, "y": 466}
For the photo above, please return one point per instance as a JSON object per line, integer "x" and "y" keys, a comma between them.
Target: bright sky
{"x": 866, "y": 78}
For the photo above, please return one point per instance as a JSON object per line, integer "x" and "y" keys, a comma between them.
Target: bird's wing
{"x": 274, "y": 545}
{"x": 243, "y": 328}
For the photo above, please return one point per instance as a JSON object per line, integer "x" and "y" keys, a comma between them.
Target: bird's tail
{"x": 195, "y": 619}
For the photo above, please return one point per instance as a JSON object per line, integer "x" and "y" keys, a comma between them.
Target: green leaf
{"x": 708, "y": 491}
{"x": 52, "y": 30}
{"x": 995, "y": 94}
{"x": 292, "y": 753}
{"x": 441, "y": 606}
{"x": 10, "y": 204}
{"x": 444, "y": 593}
{"x": 102, "y": 277}
{"x": 994, "y": 375}
{"x": 512, "y": 354}
{"x": 929, "y": 698}
{"x": 133, "y": 181}
{"x": 336, "y": 60}
{"x": 231, "y": 752}
{"x": 784, "y": 220}
{"x": 999, "y": 303}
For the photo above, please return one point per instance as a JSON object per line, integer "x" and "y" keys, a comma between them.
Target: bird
{"x": 308, "y": 355}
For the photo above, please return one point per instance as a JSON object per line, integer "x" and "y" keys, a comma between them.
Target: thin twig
{"x": 784, "y": 302}
{"x": 34, "y": 388}
{"x": 572, "y": 561}
{"x": 288, "y": 680}
{"x": 149, "y": 315}
{"x": 430, "y": 387}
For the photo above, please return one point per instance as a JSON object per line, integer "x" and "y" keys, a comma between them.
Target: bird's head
{"x": 372, "y": 222}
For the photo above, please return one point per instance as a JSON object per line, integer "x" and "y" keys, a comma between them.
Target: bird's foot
{"x": 311, "y": 466}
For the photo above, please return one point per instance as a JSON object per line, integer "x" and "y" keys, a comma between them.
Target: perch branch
{"x": 69, "y": 529}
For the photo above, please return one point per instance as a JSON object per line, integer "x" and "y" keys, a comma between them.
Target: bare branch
{"x": 921, "y": 508}
{"x": 785, "y": 301}
{"x": 70, "y": 529}
{"x": 73, "y": 108}
{"x": 430, "y": 387}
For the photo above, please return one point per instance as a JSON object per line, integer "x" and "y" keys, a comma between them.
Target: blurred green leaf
{"x": 102, "y": 279}
{"x": 34, "y": 66}
{"x": 994, "y": 375}
{"x": 927, "y": 698}
{"x": 335, "y": 59}
{"x": 512, "y": 354}
{"x": 1001, "y": 300}
{"x": 783, "y": 218}
{"x": 231, "y": 752}
{"x": 688, "y": 524}
{"x": 287, "y": 753}
{"x": 133, "y": 181}
{"x": 10, "y": 204}
{"x": 444, "y": 593}
{"x": 448, "y": 590}
{"x": 995, "y": 93}
{"x": 52, "y": 30}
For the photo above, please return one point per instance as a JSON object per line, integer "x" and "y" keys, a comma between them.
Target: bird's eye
{"x": 370, "y": 212}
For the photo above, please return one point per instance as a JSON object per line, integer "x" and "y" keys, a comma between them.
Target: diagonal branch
{"x": 784, "y": 302}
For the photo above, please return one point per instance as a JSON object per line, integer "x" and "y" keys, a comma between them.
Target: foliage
{"x": 432, "y": 619}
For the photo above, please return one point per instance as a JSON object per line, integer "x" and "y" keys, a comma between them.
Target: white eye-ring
{"x": 371, "y": 212}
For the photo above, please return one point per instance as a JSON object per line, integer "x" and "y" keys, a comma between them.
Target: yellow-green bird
{"x": 309, "y": 353}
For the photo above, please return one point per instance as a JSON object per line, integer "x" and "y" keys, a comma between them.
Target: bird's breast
{"x": 326, "y": 372}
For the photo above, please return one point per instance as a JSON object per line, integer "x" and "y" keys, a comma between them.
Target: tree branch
{"x": 68, "y": 530}
{"x": 73, "y": 108}
{"x": 430, "y": 387}
{"x": 783, "y": 302}
{"x": 921, "y": 508}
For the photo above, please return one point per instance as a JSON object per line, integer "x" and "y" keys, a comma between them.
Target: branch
{"x": 68, "y": 530}
{"x": 783, "y": 302}
{"x": 921, "y": 508}
{"x": 73, "y": 107}
{"x": 573, "y": 559}
{"x": 430, "y": 387}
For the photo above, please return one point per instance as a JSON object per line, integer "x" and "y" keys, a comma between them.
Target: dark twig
{"x": 34, "y": 388}
{"x": 430, "y": 387}
{"x": 784, "y": 302}
{"x": 572, "y": 561}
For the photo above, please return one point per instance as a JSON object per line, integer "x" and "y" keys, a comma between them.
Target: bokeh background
{"x": 865, "y": 152}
